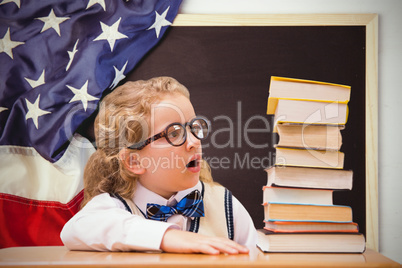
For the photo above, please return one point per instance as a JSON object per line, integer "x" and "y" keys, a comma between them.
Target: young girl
{"x": 146, "y": 186}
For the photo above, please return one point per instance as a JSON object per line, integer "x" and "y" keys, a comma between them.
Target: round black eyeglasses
{"x": 176, "y": 133}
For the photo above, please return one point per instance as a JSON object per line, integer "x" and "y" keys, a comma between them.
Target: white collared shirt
{"x": 104, "y": 224}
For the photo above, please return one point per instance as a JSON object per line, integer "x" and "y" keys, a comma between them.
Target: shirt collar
{"x": 143, "y": 196}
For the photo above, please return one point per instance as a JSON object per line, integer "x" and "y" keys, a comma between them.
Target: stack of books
{"x": 298, "y": 199}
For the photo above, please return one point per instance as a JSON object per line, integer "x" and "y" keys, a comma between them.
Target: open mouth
{"x": 193, "y": 163}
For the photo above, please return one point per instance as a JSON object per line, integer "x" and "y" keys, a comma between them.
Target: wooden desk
{"x": 62, "y": 257}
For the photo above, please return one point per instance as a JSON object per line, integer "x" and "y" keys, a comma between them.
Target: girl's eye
{"x": 175, "y": 133}
{"x": 197, "y": 129}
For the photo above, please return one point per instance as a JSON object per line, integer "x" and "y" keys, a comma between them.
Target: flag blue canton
{"x": 57, "y": 57}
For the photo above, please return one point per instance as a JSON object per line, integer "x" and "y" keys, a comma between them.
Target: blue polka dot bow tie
{"x": 191, "y": 206}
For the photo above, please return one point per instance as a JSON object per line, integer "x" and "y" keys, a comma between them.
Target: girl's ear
{"x": 131, "y": 161}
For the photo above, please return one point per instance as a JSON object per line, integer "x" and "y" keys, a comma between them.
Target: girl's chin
{"x": 192, "y": 181}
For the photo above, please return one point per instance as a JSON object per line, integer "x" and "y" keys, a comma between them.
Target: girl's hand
{"x": 177, "y": 241}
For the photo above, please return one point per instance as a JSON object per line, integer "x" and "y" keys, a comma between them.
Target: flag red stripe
{"x": 28, "y": 222}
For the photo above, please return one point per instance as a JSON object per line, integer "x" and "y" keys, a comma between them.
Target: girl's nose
{"x": 191, "y": 141}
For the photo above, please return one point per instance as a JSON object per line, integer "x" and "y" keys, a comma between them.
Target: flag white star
{"x": 118, "y": 75}
{"x": 34, "y": 111}
{"x": 36, "y": 83}
{"x": 160, "y": 21}
{"x": 2, "y": 109}
{"x": 71, "y": 55}
{"x": 51, "y": 21}
{"x": 82, "y": 95}
{"x": 7, "y": 46}
{"x": 94, "y": 2}
{"x": 110, "y": 33}
{"x": 17, "y": 2}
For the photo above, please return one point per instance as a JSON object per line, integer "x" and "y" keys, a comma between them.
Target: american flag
{"x": 57, "y": 57}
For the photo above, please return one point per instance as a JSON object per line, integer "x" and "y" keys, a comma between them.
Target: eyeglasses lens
{"x": 176, "y": 134}
{"x": 200, "y": 128}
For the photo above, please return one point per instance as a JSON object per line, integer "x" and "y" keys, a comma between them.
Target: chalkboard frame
{"x": 370, "y": 22}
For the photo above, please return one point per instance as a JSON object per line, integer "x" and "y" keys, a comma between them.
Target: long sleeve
{"x": 244, "y": 230}
{"x": 104, "y": 226}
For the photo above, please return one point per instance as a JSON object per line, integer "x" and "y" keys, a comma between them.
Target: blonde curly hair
{"x": 122, "y": 117}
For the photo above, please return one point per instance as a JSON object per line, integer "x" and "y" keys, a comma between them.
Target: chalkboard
{"x": 226, "y": 63}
